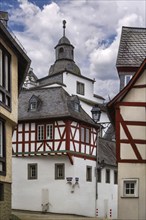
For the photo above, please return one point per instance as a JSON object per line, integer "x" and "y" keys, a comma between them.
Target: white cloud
{"x": 93, "y": 27}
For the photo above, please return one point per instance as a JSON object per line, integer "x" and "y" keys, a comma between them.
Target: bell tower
{"x": 64, "y": 51}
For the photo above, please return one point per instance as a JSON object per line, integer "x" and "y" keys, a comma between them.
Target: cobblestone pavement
{"x": 38, "y": 216}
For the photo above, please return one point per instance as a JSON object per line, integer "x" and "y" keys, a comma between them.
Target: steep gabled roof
{"x": 107, "y": 152}
{"x": 23, "y": 59}
{"x": 124, "y": 91}
{"x": 55, "y": 103}
{"x": 132, "y": 49}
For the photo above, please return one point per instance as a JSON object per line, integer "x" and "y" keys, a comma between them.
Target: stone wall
{"x": 5, "y": 201}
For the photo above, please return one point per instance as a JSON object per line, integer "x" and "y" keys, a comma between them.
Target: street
{"x": 23, "y": 215}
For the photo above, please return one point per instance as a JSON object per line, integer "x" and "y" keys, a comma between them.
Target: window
{"x": 115, "y": 177}
{"x": 32, "y": 171}
{"x": 130, "y": 188}
{"x": 107, "y": 176}
{"x": 59, "y": 171}
{"x": 1, "y": 192}
{"x": 40, "y": 132}
{"x": 89, "y": 174}
{"x": 85, "y": 135}
{"x": 61, "y": 50}
{"x": 49, "y": 131}
{"x": 80, "y": 88}
{"x": 99, "y": 175}
{"x": 34, "y": 103}
{"x": 127, "y": 79}
{"x": 33, "y": 106}
{"x": 5, "y": 80}
{"x": 77, "y": 106}
{"x": 2, "y": 148}
{"x": 45, "y": 132}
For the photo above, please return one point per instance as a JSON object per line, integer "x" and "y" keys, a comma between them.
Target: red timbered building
{"x": 55, "y": 138}
{"x": 55, "y": 152}
{"x": 128, "y": 111}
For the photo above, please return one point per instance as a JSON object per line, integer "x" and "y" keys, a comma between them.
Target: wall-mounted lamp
{"x": 76, "y": 179}
{"x": 76, "y": 183}
{"x": 69, "y": 180}
{"x": 96, "y": 113}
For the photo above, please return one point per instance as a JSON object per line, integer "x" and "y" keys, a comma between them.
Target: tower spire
{"x": 64, "y": 26}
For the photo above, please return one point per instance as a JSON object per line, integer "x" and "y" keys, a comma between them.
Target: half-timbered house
{"x": 14, "y": 64}
{"x": 132, "y": 51}
{"x": 55, "y": 150}
{"x": 128, "y": 111}
{"x": 55, "y": 154}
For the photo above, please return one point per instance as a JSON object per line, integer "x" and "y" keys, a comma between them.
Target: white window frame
{"x": 125, "y": 183}
{"x": 127, "y": 79}
{"x": 85, "y": 135}
{"x": 40, "y": 132}
{"x": 49, "y": 131}
{"x": 33, "y": 106}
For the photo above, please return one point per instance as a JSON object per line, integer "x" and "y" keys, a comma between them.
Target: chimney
{"x": 4, "y": 17}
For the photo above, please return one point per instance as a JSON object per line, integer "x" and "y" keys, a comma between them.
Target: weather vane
{"x": 64, "y": 26}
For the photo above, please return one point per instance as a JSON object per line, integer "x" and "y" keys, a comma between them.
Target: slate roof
{"x": 111, "y": 106}
{"x": 132, "y": 49}
{"x": 107, "y": 152}
{"x": 55, "y": 103}
{"x": 23, "y": 60}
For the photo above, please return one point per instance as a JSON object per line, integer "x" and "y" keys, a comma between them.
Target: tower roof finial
{"x": 64, "y": 26}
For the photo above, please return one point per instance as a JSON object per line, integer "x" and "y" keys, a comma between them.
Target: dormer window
{"x": 127, "y": 79}
{"x": 33, "y": 106}
{"x": 77, "y": 106}
{"x": 34, "y": 103}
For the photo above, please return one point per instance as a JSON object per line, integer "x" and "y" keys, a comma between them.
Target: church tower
{"x": 64, "y": 56}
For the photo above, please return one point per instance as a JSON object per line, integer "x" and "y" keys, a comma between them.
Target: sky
{"x": 93, "y": 28}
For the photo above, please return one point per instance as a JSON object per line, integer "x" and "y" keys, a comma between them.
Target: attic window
{"x": 77, "y": 106}
{"x": 33, "y": 106}
{"x": 34, "y": 103}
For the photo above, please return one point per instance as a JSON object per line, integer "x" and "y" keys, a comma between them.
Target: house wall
{"x": 10, "y": 118}
{"x": 133, "y": 207}
{"x": 107, "y": 195}
{"x": 25, "y": 139}
{"x": 13, "y": 114}
{"x": 62, "y": 197}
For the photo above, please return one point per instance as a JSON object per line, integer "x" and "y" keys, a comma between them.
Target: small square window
{"x": 130, "y": 188}
{"x": 80, "y": 88}
{"x": 107, "y": 177}
{"x": 89, "y": 174}
{"x": 59, "y": 171}
{"x": 32, "y": 171}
